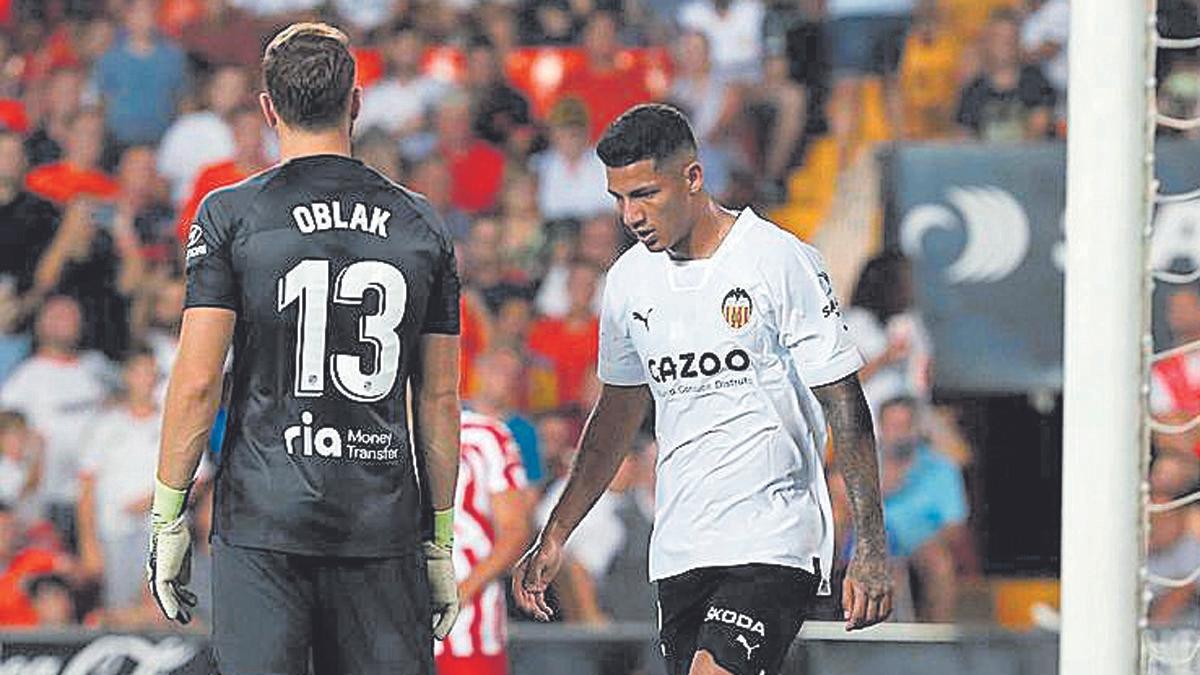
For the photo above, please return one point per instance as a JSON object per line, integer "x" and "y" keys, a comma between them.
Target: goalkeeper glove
{"x": 439, "y": 564}
{"x": 169, "y": 566}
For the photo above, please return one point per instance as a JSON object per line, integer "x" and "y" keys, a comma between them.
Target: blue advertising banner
{"x": 983, "y": 227}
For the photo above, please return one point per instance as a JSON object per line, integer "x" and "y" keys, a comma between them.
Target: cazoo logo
{"x": 996, "y": 228}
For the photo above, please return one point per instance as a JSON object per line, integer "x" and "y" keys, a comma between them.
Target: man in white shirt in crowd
{"x": 734, "y": 29}
{"x": 1044, "y": 40}
{"x": 570, "y": 176}
{"x": 114, "y": 493}
{"x": 730, "y": 326}
{"x": 399, "y": 102}
{"x": 58, "y": 392}
{"x": 203, "y": 137}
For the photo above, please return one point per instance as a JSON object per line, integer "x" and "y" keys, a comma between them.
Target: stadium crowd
{"x": 118, "y": 116}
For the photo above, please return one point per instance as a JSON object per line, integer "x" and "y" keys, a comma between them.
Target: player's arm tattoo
{"x": 606, "y": 439}
{"x": 849, "y": 419}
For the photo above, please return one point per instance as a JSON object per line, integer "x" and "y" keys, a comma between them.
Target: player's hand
{"x": 443, "y": 589}
{"x": 532, "y": 576}
{"x": 867, "y": 591}
{"x": 169, "y": 568}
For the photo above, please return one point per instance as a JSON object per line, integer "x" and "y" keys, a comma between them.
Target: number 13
{"x": 308, "y": 283}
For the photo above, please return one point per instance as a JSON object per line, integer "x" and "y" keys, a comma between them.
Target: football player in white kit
{"x": 730, "y": 324}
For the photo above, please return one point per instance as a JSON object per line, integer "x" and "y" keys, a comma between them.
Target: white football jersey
{"x": 729, "y": 346}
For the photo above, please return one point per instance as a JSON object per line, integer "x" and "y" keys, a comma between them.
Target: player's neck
{"x": 294, "y": 144}
{"x": 712, "y": 225}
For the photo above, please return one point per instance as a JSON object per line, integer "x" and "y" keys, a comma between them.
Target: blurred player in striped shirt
{"x": 491, "y": 529}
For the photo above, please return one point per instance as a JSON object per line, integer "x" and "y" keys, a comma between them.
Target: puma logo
{"x": 645, "y": 319}
{"x": 741, "y": 639}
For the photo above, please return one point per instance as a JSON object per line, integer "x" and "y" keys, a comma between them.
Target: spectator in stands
{"x": 589, "y": 554}
{"x": 1044, "y": 40}
{"x": 1008, "y": 101}
{"x": 224, "y": 35}
{"x": 571, "y": 178}
{"x": 734, "y": 29}
{"x": 431, "y": 177}
{"x": 27, "y": 222}
{"x": 476, "y": 167}
{"x": 18, "y": 566}
{"x": 247, "y": 159}
{"x": 625, "y": 594}
{"x": 484, "y": 269}
{"x": 709, "y": 97}
{"x": 78, "y": 173}
{"x": 1178, "y": 92}
{"x": 569, "y": 343}
{"x": 491, "y": 531}
{"x": 53, "y": 601}
{"x": 378, "y": 151}
{"x": 599, "y": 244}
{"x": 548, "y": 23}
{"x": 141, "y": 78}
{"x": 141, "y": 205}
{"x": 1175, "y": 381}
{"x": 399, "y": 103}
{"x": 925, "y": 509}
{"x": 61, "y": 102}
{"x": 1174, "y": 548}
{"x": 866, "y": 41}
{"x": 100, "y": 268}
{"x": 608, "y": 86}
{"x": 21, "y": 464}
{"x": 778, "y": 117}
{"x": 502, "y": 115}
{"x": 521, "y": 222}
{"x": 557, "y": 430}
{"x": 114, "y": 493}
{"x": 165, "y": 318}
{"x": 888, "y": 331}
{"x": 203, "y": 137}
{"x": 57, "y": 391}
{"x": 501, "y": 393}
{"x": 363, "y": 16}
{"x": 930, "y": 74}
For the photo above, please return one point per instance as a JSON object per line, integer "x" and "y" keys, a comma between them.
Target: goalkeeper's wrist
{"x": 168, "y": 503}
{"x": 443, "y": 528}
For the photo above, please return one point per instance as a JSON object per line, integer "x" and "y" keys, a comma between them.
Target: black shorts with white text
{"x": 745, "y": 616}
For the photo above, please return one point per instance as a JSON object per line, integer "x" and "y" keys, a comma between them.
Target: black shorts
{"x": 275, "y": 613}
{"x": 745, "y": 616}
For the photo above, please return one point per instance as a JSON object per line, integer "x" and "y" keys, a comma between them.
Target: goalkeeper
{"x": 321, "y": 553}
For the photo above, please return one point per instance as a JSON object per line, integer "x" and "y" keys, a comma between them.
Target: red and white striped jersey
{"x": 490, "y": 463}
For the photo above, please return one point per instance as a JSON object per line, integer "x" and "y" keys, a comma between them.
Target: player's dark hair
{"x": 309, "y": 73}
{"x": 649, "y": 131}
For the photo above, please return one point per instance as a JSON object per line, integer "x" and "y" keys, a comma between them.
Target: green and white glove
{"x": 439, "y": 565}
{"x": 169, "y": 566}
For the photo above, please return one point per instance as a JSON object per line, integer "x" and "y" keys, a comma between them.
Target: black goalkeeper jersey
{"x": 335, "y": 272}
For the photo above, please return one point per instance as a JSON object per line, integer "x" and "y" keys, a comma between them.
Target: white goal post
{"x": 1109, "y": 174}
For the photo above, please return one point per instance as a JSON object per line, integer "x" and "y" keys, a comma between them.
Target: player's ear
{"x": 355, "y": 102}
{"x": 268, "y": 110}
{"x": 694, "y": 173}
